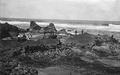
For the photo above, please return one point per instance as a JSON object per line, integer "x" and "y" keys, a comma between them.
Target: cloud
{"x": 91, "y": 1}
{"x": 61, "y": 9}
{"x": 88, "y": 1}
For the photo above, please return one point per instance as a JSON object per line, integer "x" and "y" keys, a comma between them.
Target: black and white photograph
{"x": 59, "y": 37}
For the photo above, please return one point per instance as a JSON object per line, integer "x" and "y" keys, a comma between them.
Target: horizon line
{"x": 61, "y": 20}
{"x": 53, "y": 19}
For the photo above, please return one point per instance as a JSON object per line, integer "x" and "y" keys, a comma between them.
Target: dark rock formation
{"x": 34, "y": 26}
{"x": 50, "y": 31}
{"x": 7, "y": 30}
{"x": 50, "y": 28}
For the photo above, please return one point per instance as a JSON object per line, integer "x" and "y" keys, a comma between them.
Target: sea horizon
{"x": 64, "y": 24}
{"x": 94, "y": 22}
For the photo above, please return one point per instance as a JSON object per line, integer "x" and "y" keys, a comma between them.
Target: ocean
{"x": 110, "y": 27}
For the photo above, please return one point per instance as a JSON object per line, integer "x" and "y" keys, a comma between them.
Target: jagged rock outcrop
{"x": 34, "y": 26}
{"x": 7, "y": 30}
{"x": 50, "y": 31}
{"x": 50, "y": 28}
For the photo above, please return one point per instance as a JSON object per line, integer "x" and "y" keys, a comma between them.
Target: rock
{"x": 62, "y": 32}
{"x": 34, "y": 26}
{"x": 50, "y": 29}
{"x": 7, "y": 30}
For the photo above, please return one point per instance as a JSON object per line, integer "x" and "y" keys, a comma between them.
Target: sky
{"x": 108, "y": 10}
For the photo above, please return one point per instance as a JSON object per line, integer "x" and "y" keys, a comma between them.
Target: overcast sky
{"x": 61, "y": 9}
